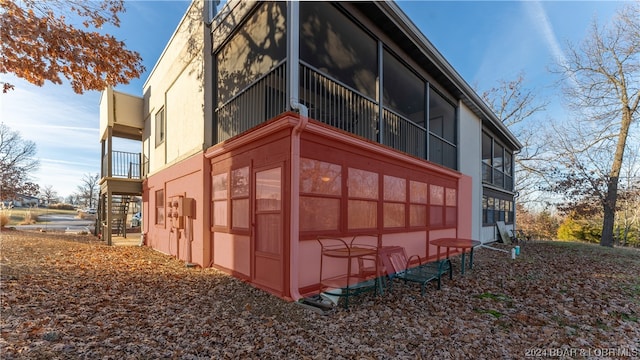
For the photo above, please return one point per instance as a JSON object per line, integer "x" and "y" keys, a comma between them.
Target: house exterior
{"x": 273, "y": 123}
{"x": 22, "y": 200}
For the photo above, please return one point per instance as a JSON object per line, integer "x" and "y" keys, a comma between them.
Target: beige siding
{"x": 184, "y": 114}
{"x": 470, "y": 148}
{"x": 177, "y": 84}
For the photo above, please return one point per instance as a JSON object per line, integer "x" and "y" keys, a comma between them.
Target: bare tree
{"x": 628, "y": 215}
{"x": 49, "y": 195}
{"x": 515, "y": 106}
{"x": 602, "y": 78}
{"x": 17, "y": 162}
{"x": 88, "y": 189}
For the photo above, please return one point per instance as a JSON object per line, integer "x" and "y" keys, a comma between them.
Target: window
{"x": 497, "y": 163}
{"x": 320, "y": 193}
{"x": 335, "y": 45}
{"x": 240, "y": 198}
{"x": 395, "y": 197}
{"x": 220, "y": 211}
{"x": 363, "y": 196}
{"x": 508, "y": 170}
{"x": 418, "y": 200}
{"x": 160, "y": 127}
{"x": 487, "y": 156}
{"x": 451, "y": 209}
{"x": 436, "y": 202}
{"x": 498, "y": 169}
{"x": 497, "y": 207}
{"x": 160, "y": 207}
{"x": 442, "y": 131}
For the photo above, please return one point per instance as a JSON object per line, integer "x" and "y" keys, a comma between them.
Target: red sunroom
{"x": 278, "y": 187}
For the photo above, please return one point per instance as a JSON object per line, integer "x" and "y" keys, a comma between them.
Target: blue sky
{"x": 485, "y": 41}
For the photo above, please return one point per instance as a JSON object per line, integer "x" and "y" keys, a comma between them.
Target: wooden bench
{"x": 412, "y": 269}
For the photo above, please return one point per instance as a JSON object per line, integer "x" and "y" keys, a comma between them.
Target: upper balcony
{"x": 122, "y": 113}
{"x": 122, "y": 172}
{"x": 121, "y": 116}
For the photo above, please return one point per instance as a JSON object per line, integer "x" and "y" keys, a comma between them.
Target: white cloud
{"x": 540, "y": 19}
{"x": 64, "y": 126}
{"x": 510, "y": 47}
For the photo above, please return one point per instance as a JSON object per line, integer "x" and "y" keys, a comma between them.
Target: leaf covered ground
{"x": 69, "y": 297}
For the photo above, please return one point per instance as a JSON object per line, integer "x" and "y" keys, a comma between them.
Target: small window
{"x": 160, "y": 127}
{"x": 160, "y": 207}
{"x": 363, "y": 184}
{"x": 240, "y": 198}
{"x": 395, "y": 196}
{"x": 362, "y": 206}
{"x": 436, "y": 201}
{"x": 220, "y": 211}
{"x": 321, "y": 190}
{"x": 418, "y": 197}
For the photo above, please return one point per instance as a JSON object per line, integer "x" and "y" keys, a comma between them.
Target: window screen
{"x": 335, "y": 45}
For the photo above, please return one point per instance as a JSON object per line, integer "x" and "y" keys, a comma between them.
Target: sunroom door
{"x": 268, "y": 228}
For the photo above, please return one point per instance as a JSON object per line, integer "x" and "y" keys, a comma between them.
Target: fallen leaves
{"x": 73, "y": 297}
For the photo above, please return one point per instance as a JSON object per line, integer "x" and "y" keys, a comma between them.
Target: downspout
{"x": 293, "y": 61}
{"x": 294, "y": 221}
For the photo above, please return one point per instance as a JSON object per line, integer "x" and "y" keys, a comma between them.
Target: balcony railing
{"x": 404, "y": 135}
{"x": 328, "y": 101}
{"x": 264, "y": 99}
{"x": 123, "y": 165}
{"x": 337, "y": 105}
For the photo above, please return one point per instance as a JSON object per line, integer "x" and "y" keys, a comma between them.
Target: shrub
{"x": 29, "y": 218}
{"x": 583, "y": 230}
{"x": 5, "y": 214}
{"x": 4, "y": 218}
{"x": 61, "y": 206}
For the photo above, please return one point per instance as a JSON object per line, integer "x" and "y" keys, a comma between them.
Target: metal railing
{"x": 123, "y": 165}
{"x": 338, "y": 105}
{"x": 264, "y": 99}
{"x": 404, "y": 135}
{"x": 328, "y": 101}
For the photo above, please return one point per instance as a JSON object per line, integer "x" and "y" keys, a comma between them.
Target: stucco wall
{"x": 179, "y": 71}
{"x": 470, "y": 135}
{"x": 188, "y": 178}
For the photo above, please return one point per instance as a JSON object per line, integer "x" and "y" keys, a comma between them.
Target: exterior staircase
{"x": 122, "y": 172}
{"x": 120, "y": 210}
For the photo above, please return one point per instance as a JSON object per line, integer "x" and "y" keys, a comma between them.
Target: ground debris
{"x": 74, "y": 297}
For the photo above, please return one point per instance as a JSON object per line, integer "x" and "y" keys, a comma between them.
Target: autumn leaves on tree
{"x": 37, "y": 44}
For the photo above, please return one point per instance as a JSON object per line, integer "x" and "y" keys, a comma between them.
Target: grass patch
{"x": 634, "y": 291}
{"x": 625, "y": 317}
{"x": 495, "y": 313}
{"x": 18, "y": 216}
{"x": 602, "y": 325}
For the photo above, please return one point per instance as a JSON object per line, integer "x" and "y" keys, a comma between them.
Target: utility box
{"x": 180, "y": 207}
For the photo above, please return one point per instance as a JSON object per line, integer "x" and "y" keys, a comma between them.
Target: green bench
{"x": 408, "y": 269}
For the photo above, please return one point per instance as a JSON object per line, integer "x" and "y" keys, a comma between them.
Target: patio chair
{"x": 422, "y": 273}
{"x": 347, "y": 279}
